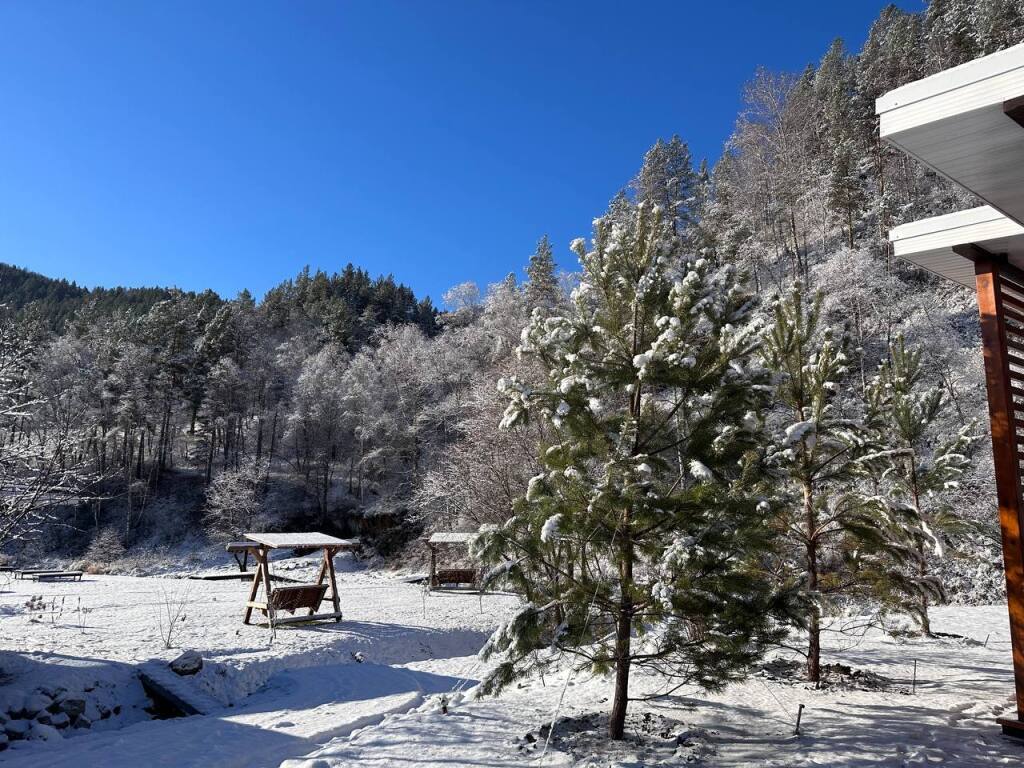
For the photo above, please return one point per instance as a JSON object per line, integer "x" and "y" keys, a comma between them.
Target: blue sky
{"x": 227, "y": 144}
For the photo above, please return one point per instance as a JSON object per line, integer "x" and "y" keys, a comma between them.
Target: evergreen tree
{"x": 666, "y": 179}
{"x": 836, "y": 531}
{"x": 845, "y": 195}
{"x": 628, "y": 555}
{"x": 998, "y": 24}
{"x": 918, "y": 469}
{"x": 541, "y": 281}
{"x": 949, "y": 33}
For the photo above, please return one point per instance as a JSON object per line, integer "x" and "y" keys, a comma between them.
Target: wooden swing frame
{"x": 293, "y": 598}
{"x": 439, "y": 577}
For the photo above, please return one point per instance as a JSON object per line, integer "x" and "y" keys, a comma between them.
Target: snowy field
{"x": 370, "y": 691}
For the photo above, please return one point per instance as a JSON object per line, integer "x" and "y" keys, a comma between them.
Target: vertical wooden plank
{"x": 433, "y": 566}
{"x": 1004, "y": 452}
{"x": 320, "y": 579}
{"x": 264, "y": 569}
{"x": 329, "y": 559}
{"x": 253, "y": 590}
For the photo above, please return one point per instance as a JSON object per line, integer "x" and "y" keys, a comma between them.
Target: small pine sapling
{"x": 837, "y": 548}
{"x": 916, "y": 472}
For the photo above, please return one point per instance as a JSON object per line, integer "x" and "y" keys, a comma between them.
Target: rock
{"x": 17, "y": 729}
{"x": 73, "y": 707}
{"x": 82, "y": 722}
{"x": 3, "y": 741}
{"x": 47, "y": 691}
{"x": 188, "y": 663}
{"x": 35, "y": 703}
{"x": 60, "y": 720}
{"x": 11, "y": 701}
{"x": 41, "y": 732}
{"x": 92, "y": 711}
{"x": 44, "y": 717}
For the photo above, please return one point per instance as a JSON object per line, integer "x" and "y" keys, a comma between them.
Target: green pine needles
{"x": 643, "y": 542}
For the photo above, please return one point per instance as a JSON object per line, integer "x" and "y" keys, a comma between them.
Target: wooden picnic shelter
{"x": 294, "y": 597}
{"x": 967, "y": 124}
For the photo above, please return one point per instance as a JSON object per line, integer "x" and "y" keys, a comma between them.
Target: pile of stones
{"x": 47, "y": 713}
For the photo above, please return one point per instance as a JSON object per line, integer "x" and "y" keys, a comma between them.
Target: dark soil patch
{"x": 651, "y": 739}
{"x": 833, "y": 677}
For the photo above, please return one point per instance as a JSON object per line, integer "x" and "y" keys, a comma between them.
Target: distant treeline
{"x": 348, "y": 305}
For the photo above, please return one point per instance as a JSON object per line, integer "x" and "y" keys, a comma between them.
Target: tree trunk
{"x": 623, "y": 628}
{"x": 617, "y": 719}
{"x": 926, "y": 622}
{"x": 814, "y": 625}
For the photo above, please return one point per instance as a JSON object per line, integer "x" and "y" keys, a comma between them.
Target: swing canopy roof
{"x": 312, "y": 540}
{"x": 967, "y": 124}
{"x": 450, "y": 537}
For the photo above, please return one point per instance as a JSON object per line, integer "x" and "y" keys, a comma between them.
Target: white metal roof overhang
{"x": 966, "y": 123}
{"x": 930, "y": 243}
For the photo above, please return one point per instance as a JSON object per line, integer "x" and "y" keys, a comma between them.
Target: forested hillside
{"x": 137, "y": 417}
{"x": 52, "y": 301}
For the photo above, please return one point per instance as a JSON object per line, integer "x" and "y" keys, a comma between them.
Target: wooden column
{"x": 1001, "y": 305}
{"x": 335, "y": 597}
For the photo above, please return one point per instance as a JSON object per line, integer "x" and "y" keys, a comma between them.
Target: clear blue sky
{"x": 227, "y": 144}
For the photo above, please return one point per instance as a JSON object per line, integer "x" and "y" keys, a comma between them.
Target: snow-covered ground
{"x": 300, "y": 697}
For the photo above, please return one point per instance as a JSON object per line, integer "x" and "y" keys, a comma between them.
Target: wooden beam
{"x": 320, "y": 580}
{"x": 257, "y": 574}
{"x": 977, "y": 254}
{"x": 335, "y": 598}
{"x": 336, "y": 616}
{"x": 1014, "y": 109}
{"x": 1004, "y": 451}
{"x": 433, "y": 566}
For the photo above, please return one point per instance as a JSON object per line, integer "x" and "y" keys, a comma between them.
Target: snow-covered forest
{"x": 340, "y": 398}
{"x": 736, "y": 417}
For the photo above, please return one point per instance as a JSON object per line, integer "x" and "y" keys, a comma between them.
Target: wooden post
{"x": 264, "y": 568}
{"x": 433, "y": 565}
{"x": 253, "y": 590}
{"x": 988, "y": 273}
{"x": 320, "y": 579}
{"x": 335, "y": 600}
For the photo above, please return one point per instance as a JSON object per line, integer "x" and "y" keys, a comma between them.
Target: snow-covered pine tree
{"x": 626, "y": 560}
{"x": 666, "y": 179}
{"x": 922, "y": 463}
{"x": 835, "y": 530}
{"x": 541, "y": 281}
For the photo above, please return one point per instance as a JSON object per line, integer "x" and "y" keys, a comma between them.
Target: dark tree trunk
{"x": 623, "y": 628}
{"x": 814, "y": 624}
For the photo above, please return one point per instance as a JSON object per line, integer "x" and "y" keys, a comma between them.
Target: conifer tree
{"x": 918, "y": 468}
{"x": 541, "y": 281}
{"x": 666, "y": 179}
{"x": 626, "y": 561}
{"x": 839, "y": 547}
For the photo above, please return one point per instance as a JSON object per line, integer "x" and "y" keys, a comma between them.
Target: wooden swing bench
{"x": 456, "y": 576}
{"x": 294, "y": 597}
{"x": 440, "y": 578}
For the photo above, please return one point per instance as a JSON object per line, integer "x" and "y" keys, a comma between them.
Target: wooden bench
{"x": 470, "y": 576}
{"x": 298, "y": 596}
{"x": 41, "y": 575}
